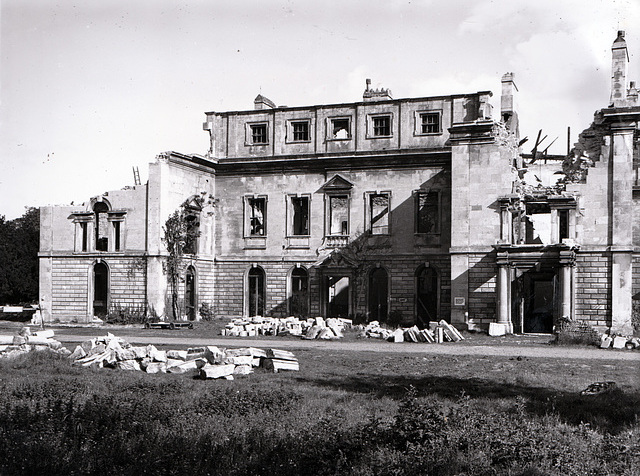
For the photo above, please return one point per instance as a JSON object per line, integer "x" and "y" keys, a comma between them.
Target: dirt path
{"x": 68, "y": 337}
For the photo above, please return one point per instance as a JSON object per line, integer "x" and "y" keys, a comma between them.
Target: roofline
{"x": 347, "y": 104}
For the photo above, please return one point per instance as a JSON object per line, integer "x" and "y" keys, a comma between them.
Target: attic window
{"x": 300, "y": 131}
{"x": 340, "y": 128}
{"x": 381, "y": 126}
{"x": 259, "y": 134}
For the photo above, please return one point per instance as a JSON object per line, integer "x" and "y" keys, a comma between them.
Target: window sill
{"x": 421, "y": 134}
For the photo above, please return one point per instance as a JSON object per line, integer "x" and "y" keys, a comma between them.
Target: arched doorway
{"x": 190, "y": 293}
{"x": 427, "y": 295}
{"x": 100, "y": 289}
{"x": 299, "y": 298}
{"x": 256, "y": 292}
{"x": 378, "y": 295}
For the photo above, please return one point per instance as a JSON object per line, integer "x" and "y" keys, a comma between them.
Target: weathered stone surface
{"x": 216, "y": 371}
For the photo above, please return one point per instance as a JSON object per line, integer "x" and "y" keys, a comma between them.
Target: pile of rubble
{"x": 619, "y": 342}
{"x": 311, "y": 328}
{"x": 438, "y": 332}
{"x": 208, "y": 361}
{"x": 25, "y": 341}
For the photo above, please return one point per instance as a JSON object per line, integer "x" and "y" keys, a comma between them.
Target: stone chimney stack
{"x": 508, "y": 98}
{"x": 620, "y": 58}
{"x": 375, "y": 94}
{"x": 261, "y": 102}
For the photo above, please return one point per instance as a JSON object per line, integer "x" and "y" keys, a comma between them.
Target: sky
{"x": 92, "y": 88}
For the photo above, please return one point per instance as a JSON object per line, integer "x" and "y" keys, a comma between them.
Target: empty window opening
{"x": 538, "y": 223}
{"x": 300, "y": 211}
{"x": 339, "y": 215}
{"x": 116, "y": 236}
{"x": 102, "y": 226}
{"x": 430, "y": 123}
{"x": 256, "y": 292}
{"x": 379, "y": 213}
{"x": 340, "y": 129}
{"x": 192, "y": 222}
{"x": 563, "y": 224}
{"x": 259, "y": 134}
{"x": 427, "y": 212}
{"x": 299, "y": 300}
{"x": 300, "y": 130}
{"x": 83, "y": 227}
{"x": 257, "y": 216}
{"x": 381, "y": 126}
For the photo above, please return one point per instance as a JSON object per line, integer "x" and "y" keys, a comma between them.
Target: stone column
{"x": 566, "y": 291}
{"x": 504, "y": 292}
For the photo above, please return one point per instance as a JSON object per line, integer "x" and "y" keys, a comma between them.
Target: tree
{"x": 19, "y": 244}
{"x": 180, "y": 235}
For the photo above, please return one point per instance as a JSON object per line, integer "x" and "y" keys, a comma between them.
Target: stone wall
{"x": 482, "y": 288}
{"x": 593, "y": 288}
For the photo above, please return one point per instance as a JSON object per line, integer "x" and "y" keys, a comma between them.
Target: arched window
{"x": 101, "y": 226}
{"x": 256, "y": 291}
{"x": 299, "y": 296}
{"x": 427, "y": 295}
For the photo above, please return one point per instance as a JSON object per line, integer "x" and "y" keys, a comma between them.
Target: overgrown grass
{"x": 371, "y": 414}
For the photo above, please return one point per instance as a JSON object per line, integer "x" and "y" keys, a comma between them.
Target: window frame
{"x": 330, "y": 128}
{"x": 248, "y": 216}
{"x": 328, "y": 214}
{"x": 368, "y": 218}
{"x": 416, "y": 214}
{"x": 291, "y": 214}
{"x": 291, "y": 132}
{"x": 249, "y": 133}
{"x": 419, "y": 122}
{"x": 371, "y": 125}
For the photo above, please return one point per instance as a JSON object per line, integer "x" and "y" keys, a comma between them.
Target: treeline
{"x": 19, "y": 244}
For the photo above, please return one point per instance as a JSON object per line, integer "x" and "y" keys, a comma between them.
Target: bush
{"x": 206, "y": 311}
{"x": 126, "y": 315}
{"x": 635, "y": 315}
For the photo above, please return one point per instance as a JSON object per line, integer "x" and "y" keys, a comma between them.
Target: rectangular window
{"x": 427, "y": 212}
{"x": 563, "y": 228}
{"x": 259, "y": 134}
{"x": 339, "y": 215}
{"x": 300, "y": 216}
{"x": 378, "y": 213}
{"x": 340, "y": 128}
{"x": 381, "y": 126}
{"x": 430, "y": 123}
{"x": 256, "y": 216}
{"x": 193, "y": 232}
{"x": 300, "y": 131}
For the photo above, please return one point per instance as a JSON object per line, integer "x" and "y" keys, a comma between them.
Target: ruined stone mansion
{"x": 398, "y": 210}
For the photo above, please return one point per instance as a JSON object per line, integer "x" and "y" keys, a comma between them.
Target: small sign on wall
{"x": 458, "y": 301}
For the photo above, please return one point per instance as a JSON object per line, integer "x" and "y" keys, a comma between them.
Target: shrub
{"x": 635, "y": 315}
{"x": 206, "y": 311}
{"x": 126, "y": 314}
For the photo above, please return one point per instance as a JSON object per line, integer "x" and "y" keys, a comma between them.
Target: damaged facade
{"x": 397, "y": 210}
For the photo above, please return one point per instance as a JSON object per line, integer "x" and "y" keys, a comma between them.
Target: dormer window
{"x": 259, "y": 134}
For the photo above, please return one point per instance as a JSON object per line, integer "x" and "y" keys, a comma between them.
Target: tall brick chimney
{"x": 620, "y": 58}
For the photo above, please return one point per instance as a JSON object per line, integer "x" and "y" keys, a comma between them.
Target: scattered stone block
{"x": 619, "y": 342}
{"x": 605, "y": 341}
{"x": 497, "y": 329}
{"x": 216, "y": 371}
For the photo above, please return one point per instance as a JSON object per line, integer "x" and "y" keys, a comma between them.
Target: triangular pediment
{"x": 335, "y": 259}
{"x": 337, "y": 182}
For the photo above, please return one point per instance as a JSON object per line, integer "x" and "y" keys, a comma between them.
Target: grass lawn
{"x": 344, "y": 412}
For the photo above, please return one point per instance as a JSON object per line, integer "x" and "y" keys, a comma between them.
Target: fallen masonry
{"x": 24, "y": 342}
{"x": 209, "y": 362}
{"x": 438, "y": 332}
{"x": 311, "y": 328}
{"x": 619, "y": 342}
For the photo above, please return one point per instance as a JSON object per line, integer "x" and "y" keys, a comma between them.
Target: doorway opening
{"x": 100, "y": 289}
{"x": 535, "y": 303}
{"x": 299, "y": 298}
{"x": 256, "y": 294}
{"x": 427, "y": 295}
{"x": 190, "y": 293}
{"x": 378, "y": 295}
{"x": 337, "y": 296}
